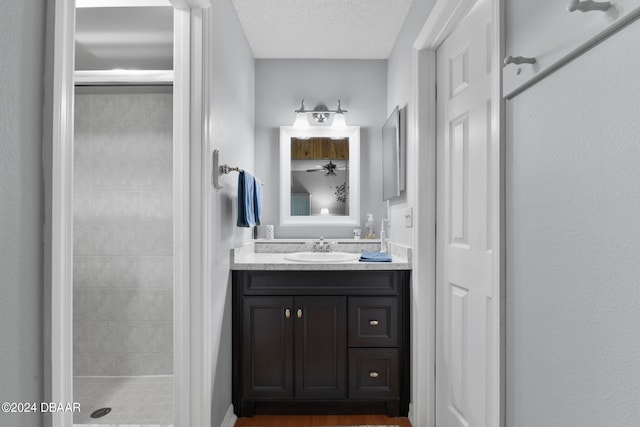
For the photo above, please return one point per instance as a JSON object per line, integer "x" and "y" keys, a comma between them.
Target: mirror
{"x": 320, "y": 176}
{"x": 393, "y": 157}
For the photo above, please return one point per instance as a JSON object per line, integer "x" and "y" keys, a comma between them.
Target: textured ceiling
{"x": 340, "y": 29}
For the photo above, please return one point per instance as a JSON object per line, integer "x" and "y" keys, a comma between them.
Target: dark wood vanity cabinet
{"x": 320, "y": 342}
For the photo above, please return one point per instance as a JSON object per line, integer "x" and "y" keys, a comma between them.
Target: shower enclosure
{"x": 123, "y": 287}
{"x": 122, "y": 275}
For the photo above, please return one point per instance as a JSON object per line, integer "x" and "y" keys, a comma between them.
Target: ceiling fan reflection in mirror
{"x": 329, "y": 168}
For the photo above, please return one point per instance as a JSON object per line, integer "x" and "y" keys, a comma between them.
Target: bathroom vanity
{"x": 320, "y": 337}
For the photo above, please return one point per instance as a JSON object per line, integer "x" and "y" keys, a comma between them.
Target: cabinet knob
{"x": 299, "y": 313}
{"x": 287, "y": 313}
{"x": 588, "y": 5}
{"x": 374, "y": 374}
{"x": 373, "y": 322}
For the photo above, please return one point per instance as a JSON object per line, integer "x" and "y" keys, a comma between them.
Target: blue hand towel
{"x": 246, "y": 198}
{"x": 257, "y": 200}
{"x": 375, "y": 257}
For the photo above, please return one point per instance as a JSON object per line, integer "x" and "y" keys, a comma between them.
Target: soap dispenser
{"x": 371, "y": 233}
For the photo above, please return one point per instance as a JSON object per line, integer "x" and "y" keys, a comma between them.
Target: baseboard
{"x": 229, "y": 418}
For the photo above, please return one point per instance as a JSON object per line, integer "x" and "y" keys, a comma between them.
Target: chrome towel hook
{"x": 518, "y": 60}
{"x": 588, "y": 5}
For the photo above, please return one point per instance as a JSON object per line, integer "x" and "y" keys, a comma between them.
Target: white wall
{"x": 573, "y": 233}
{"x": 232, "y": 132}
{"x": 399, "y": 92}
{"x": 21, "y": 206}
{"x": 280, "y": 86}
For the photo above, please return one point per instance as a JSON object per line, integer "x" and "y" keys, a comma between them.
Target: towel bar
{"x": 219, "y": 169}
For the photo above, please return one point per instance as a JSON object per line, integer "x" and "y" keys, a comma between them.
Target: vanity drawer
{"x": 373, "y": 322}
{"x": 373, "y": 373}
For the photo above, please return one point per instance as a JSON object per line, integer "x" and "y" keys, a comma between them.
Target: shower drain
{"x": 100, "y": 412}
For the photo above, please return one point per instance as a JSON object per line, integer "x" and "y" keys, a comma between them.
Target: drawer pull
{"x": 373, "y": 322}
{"x": 374, "y": 374}
{"x": 588, "y": 5}
{"x": 287, "y": 313}
{"x": 299, "y": 313}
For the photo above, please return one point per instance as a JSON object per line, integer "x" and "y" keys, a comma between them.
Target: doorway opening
{"x": 123, "y": 215}
{"x": 443, "y": 347}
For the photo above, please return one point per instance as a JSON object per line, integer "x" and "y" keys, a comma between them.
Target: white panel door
{"x": 466, "y": 311}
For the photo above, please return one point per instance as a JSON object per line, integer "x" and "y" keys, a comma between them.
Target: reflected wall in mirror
{"x": 319, "y": 176}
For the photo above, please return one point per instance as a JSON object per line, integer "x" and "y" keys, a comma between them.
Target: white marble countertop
{"x": 258, "y": 256}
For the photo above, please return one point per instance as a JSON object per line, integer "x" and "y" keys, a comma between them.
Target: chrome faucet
{"x": 322, "y": 246}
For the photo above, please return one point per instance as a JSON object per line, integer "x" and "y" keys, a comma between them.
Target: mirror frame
{"x": 351, "y": 132}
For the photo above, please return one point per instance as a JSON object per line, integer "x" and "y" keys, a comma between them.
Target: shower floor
{"x": 134, "y": 401}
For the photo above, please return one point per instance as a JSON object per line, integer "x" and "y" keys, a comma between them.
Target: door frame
{"x": 192, "y": 204}
{"x": 442, "y": 20}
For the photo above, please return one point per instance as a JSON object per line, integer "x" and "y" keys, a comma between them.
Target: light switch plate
{"x": 408, "y": 218}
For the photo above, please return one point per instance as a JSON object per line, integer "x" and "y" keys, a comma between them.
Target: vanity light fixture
{"x": 301, "y": 118}
{"x": 339, "y": 121}
{"x": 321, "y": 115}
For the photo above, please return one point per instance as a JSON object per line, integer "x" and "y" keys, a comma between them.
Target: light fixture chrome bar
{"x": 320, "y": 114}
{"x": 338, "y": 110}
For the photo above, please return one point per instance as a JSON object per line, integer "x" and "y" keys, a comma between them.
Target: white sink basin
{"x": 321, "y": 257}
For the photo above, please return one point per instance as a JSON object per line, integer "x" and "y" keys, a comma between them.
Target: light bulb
{"x": 339, "y": 121}
{"x": 301, "y": 121}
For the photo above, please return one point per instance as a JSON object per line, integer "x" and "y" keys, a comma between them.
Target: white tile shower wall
{"x": 123, "y": 287}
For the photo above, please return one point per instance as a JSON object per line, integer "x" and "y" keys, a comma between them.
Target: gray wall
{"x": 400, "y": 92}
{"x": 280, "y": 86}
{"x": 573, "y": 206}
{"x": 21, "y": 206}
{"x": 123, "y": 225}
{"x": 232, "y": 123}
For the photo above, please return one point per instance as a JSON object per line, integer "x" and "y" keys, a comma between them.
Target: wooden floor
{"x": 320, "y": 420}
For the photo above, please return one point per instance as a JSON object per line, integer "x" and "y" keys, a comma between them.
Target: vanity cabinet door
{"x": 321, "y": 347}
{"x": 267, "y": 356}
{"x": 547, "y": 31}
